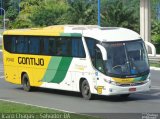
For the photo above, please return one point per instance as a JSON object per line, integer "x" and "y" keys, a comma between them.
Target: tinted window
{"x": 13, "y": 44}
{"x": 21, "y": 44}
{"x": 91, "y": 44}
{"x": 7, "y": 43}
{"x": 53, "y": 46}
{"x": 34, "y": 45}
{"x": 77, "y": 48}
{"x": 44, "y": 45}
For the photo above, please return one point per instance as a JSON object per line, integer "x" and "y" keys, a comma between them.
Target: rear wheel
{"x": 26, "y": 83}
{"x": 85, "y": 90}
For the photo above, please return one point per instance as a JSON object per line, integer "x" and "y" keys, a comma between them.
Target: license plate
{"x": 132, "y": 89}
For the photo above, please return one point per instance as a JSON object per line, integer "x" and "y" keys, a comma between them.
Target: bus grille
{"x": 132, "y": 84}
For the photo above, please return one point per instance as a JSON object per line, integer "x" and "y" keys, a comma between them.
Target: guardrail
{"x": 155, "y": 58}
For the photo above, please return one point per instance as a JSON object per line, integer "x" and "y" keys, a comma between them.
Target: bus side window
{"x": 13, "y": 44}
{"x": 21, "y": 44}
{"x": 99, "y": 61}
{"x": 41, "y": 48}
{"x": 81, "y": 49}
{"x": 44, "y": 45}
{"x": 34, "y": 44}
{"x": 78, "y": 48}
{"x": 8, "y": 43}
{"x": 63, "y": 47}
{"x": 91, "y": 44}
{"x": 51, "y": 45}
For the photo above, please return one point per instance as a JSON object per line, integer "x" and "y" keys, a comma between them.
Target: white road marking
{"x": 1, "y": 77}
{"x": 155, "y": 87}
{"x": 156, "y": 94}
{"x": 35, "y": 105}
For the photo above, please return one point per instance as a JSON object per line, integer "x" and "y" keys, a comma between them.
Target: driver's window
{"x": 99, "y": 64}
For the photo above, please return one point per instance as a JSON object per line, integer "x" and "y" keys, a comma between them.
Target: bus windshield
{"x": 126, "y": 59}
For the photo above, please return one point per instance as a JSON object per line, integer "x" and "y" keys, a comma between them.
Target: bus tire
{"x": 85, "y": 90}
{"x": 25, "y": 83}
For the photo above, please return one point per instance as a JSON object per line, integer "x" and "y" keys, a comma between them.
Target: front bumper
{"x": 116, "y": 90}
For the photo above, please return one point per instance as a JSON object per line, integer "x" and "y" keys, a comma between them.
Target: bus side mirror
{"x": 153, "y": 49}
{"x": 103, "y": 51}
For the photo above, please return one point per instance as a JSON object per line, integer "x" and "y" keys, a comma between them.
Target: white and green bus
{"x": 87, "y": 59}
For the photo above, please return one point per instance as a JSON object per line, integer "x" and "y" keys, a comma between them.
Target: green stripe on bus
{"x": 57, "y": 69}
{"x": 52, "y": 69}
{"x": 71, "y": 34}
{"x": 62, "y": 70}
{"x": 140, "y": 78}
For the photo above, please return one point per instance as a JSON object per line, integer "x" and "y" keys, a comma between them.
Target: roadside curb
{"x": 155, "y": 68}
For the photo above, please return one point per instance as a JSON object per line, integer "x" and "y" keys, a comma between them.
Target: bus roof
{"x": 106, "y": 34}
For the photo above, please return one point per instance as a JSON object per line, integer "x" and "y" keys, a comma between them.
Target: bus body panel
{"x": 57, "y": 72}
{"x": 65, "y": 73}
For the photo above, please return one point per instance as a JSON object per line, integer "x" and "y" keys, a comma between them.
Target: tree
{"x": 155, "y": 22}
{"x": 120, "y": 14}
{"x": 4, "y": 4}
{"x": 82, "y": 12}
{"x": 51, "y": 13}
{"x": 27, "y": 7}
{"x": 12, "y": 11}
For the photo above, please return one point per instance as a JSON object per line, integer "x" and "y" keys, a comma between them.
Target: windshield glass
{"x": 126, "y": 58}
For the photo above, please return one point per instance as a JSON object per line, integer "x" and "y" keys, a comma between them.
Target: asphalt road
{"x": 104, "y": 106}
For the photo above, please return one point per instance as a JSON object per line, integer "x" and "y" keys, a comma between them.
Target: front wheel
{"x": 85, "y": 90}
{"x": 25, "y": 83}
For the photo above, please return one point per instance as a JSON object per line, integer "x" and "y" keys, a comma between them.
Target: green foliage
{"x": 27, "y": 7}
{"x": 1, "y": 22}
{"x": 12, "y": 13}
{"x": 115, "y": 13}
{"x": 51, "y": 13}
{"x": 82, "y": 12}
{"x": 22, "y": 23}
{"x": 119, "y": 14}
{"x": 155, "y": 27}
{"x": 156, "y": 38}
{"x": 154, "y": 5}
{"x": 156, "y": 34}
{"x": 156, "y": 31}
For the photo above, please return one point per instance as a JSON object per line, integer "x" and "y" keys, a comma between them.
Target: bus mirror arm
{"x": 103, "y": 51}
{"x": 153, "y": 49}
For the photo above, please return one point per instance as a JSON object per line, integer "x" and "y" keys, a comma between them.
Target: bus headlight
{"x": 112, "y": 82}
{"x": 146, "y": 81}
